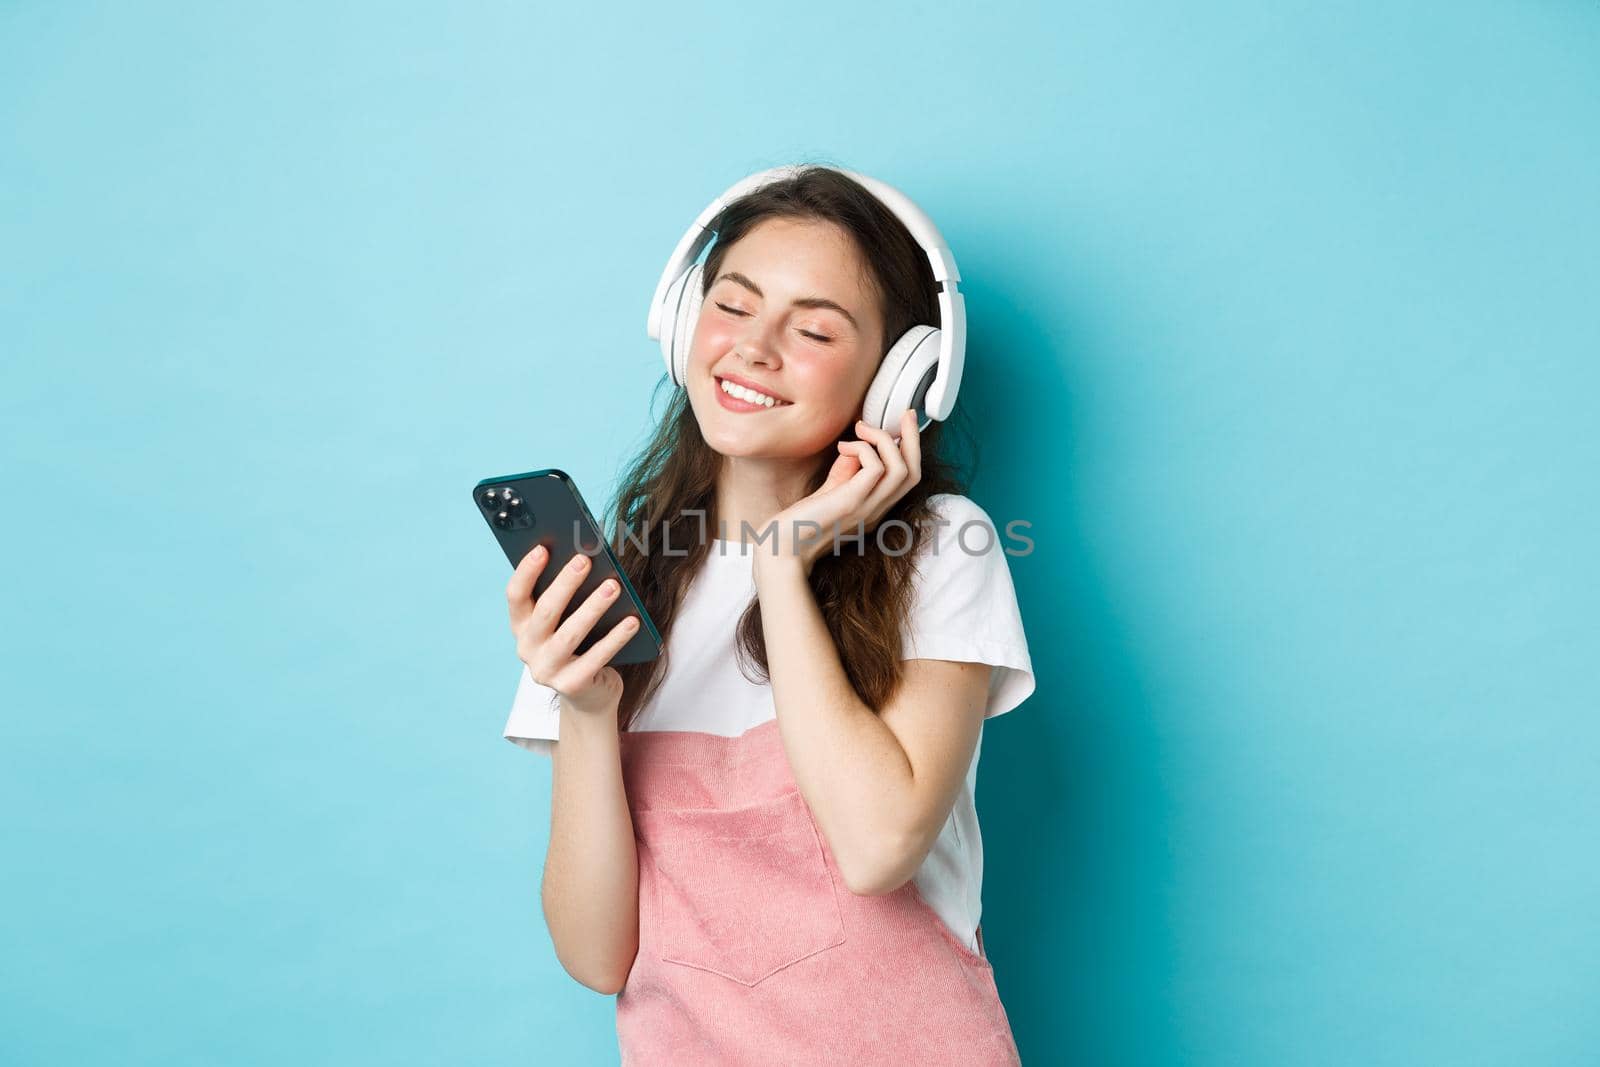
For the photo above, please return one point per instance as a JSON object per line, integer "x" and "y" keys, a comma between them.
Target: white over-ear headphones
{"x": 922, "y": 369}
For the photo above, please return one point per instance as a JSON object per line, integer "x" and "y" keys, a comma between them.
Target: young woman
{"x": 765, "y": 842}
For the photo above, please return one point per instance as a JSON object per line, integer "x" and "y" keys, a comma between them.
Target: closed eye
{"x": 807, "y": 333}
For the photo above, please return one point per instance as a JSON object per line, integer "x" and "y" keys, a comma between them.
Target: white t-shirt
{"x": 964, "y": 608}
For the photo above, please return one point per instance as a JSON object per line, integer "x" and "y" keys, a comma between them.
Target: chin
{"x": 734, "y": 441}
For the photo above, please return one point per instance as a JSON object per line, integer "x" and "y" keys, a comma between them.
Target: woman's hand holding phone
{"x": 587, "y": 682}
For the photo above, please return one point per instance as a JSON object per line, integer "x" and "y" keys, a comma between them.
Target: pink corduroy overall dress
{"x": 751, "y": 949}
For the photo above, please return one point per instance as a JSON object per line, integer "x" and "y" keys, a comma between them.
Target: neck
{"x": 751, "y": 491}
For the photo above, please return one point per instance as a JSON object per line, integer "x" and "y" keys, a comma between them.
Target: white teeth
{"x": 747, "y": 394}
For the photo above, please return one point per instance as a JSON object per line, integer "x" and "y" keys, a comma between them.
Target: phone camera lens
{"x": 513, "y": 503}
{"x": 490, "y": 499}
{"x": 502, "y": 520}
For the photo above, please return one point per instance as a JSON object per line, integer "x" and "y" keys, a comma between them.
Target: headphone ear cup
{"x": 691, "y": 297}
{"x": 680, "y": 307}
{"x": 668, "y": 328}
{"x": 902, "y": 378}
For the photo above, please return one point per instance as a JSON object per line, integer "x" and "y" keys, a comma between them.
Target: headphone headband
{"x": 940, "y": 398}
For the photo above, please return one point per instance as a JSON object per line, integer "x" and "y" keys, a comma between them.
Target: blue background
{"x": 1284, "y": 338}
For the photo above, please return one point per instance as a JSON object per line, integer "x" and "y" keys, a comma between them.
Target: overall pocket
{"x": 740, "y": 892}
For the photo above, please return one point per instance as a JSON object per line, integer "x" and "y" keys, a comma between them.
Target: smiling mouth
{"x": 749, "y": 396}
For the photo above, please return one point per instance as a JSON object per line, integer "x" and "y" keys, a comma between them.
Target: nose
{"x": 755, "y": 348}
{"x": 757, "y": 356}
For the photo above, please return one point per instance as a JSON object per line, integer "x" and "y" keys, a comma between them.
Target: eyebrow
{"x": 804, "y": 302}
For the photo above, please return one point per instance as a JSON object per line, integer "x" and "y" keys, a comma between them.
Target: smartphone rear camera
{"x": 507, "y": 499}
{"x": 505, "y": 508}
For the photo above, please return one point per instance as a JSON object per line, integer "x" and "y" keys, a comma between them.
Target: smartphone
{"x": 545, "y": 508}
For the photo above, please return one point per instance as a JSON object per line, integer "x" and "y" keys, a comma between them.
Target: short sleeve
{"x": 965, "y": 605}
{"x": 535, "y": 715}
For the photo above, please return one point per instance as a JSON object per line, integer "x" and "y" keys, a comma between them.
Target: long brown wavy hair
{"x": 864, "y": 595}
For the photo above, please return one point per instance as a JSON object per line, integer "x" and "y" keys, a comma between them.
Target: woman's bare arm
{"x": 590, "y": 889}
{"x": 880, "y": 784}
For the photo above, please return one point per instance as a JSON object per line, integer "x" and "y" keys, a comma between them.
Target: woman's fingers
{"x": 547, "y": 610}
{"x": 844, "y": 468}
{"x": 894, "y": 463}
{"x": 891, "y": 486}
{"x": 871, "y": 471}
{"x": 577, "y": 625}
{"x": 589, "y": 665}
{"x": 545, "y": 647}
{"x": 911, "y": 445}
{"x": 898, "y": 464}
{"x": 519, "y": 590}
{"x": 865, "y": 451}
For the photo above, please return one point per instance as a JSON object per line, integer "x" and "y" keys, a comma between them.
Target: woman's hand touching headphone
{"x": 866, "y": 480}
